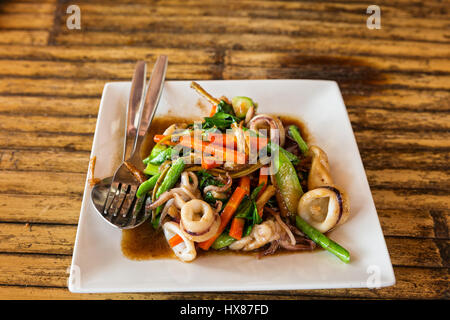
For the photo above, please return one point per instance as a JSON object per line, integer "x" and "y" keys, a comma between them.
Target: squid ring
{"x": 274, "y": 123}
{"x": 185, "y": 250}
{"x": 199, "y": 221}
{"x": 324, "y": 208}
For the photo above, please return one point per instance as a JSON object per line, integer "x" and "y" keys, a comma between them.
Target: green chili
{"x": 148, "y": 185}
{"x": 287, "y": 182}
{"x": 292, "y": 157}
{"x": 162, "y": 156}
{"x": 157, "y": 149}
{"x": 151, "y": 169}
{"x": 171, "y": 178}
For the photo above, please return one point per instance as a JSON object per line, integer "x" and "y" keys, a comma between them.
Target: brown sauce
{"x": 144, "y": 242}
{"x": 289, "y": 120}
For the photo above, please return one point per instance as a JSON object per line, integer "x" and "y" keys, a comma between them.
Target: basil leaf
{"x": 207, "y": 179}
{"x": 220, "y": 120}
{"x": 208, "y": 197}
{"x": 244, "y": 209}
{"x": 225, "y": 107}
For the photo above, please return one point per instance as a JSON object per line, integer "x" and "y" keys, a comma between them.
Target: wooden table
{"x": 395, "y": 82}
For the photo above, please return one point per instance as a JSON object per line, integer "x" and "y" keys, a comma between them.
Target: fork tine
{"x": 137, "y": 210}
{"x": 127, "y": 202}
{"x": 116, "y": 205}
{"x": 110, "y": 197}
{"x": 126, "y": 217}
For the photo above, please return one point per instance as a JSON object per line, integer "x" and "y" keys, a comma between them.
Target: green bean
{"x": 222, "y": 241}
{"x": 148, "y": 185}
{"x": 295, "y": 134}
{"x": 322, "y": 240}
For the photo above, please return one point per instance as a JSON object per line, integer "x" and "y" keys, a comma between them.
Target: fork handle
{"x": 152, "y": 97}
{"x": 135, "y": 101}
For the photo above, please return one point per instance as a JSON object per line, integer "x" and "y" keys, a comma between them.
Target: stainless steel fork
{"x": 101, "y": 190}
{"x": 122, "y": 207}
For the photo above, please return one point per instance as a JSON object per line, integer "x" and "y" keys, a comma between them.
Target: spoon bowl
{"x": 98, "y": 196}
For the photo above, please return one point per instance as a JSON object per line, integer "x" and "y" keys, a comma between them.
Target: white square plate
{"x": 99, "y": 266}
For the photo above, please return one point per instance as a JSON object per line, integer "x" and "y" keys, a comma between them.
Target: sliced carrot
{"x": 244, "y": 183}
{"x": 226, "y": 140}
{"x": 221, "y": 153}
{"x": 159, "y": 137}
{"x": 213, "y": 110}
{"x": 226, "y": 154}
{"x": 260, "y": 212}
{"x": 175, "y": 240}
{"x": 256, "y": 143}
{"x": 225, "y": 217}
{"x": 217, "y": 147}
{"x": 237, "y": 228}
{"x": 209, "y": 162}
{"x": 263, "y": 178}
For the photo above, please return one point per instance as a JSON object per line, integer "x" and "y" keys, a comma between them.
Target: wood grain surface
{"x": 395, "y": 82}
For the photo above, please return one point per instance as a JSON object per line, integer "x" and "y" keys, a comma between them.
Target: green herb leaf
{"x": 248, "y": 230}
{"x": 208, "y": 197}
{"x": 244, "y": 209}
{"x": 225, "y": 107}
{"x": 220, "y": 120}
{"x": 207, "y": 179}
{"x": 256, "y": 191}
{"x": 256, "y": 218}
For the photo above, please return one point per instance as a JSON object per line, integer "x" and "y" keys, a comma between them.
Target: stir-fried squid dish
{"x": 242, "y": 181}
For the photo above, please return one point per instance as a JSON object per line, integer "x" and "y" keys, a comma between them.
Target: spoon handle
{"x": 134, "y": 105}
{"x": 152, "y": 97}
